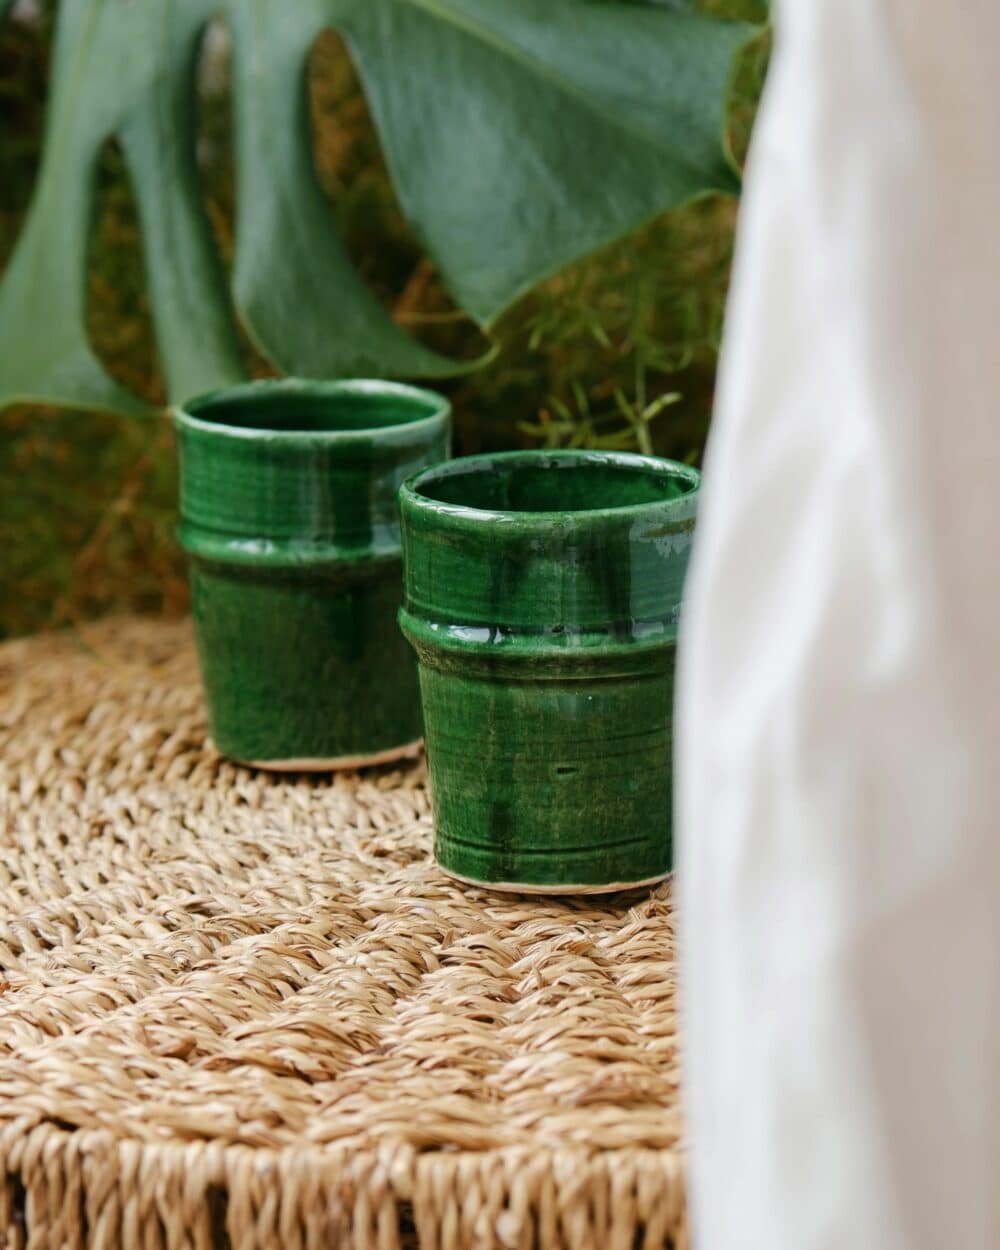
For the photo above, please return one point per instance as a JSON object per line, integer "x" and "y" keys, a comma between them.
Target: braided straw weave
{"x": 241, "y": 1010}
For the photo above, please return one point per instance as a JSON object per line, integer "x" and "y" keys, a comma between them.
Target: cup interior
{"x": 540, "y": 483}
{"x": 323, "y": 410}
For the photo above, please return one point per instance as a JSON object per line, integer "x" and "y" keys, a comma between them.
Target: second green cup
{"x": 542, "y": 594}
{"x": 290, "y": 519}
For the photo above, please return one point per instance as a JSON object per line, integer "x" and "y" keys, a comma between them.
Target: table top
{"x": 245, "y": 1010}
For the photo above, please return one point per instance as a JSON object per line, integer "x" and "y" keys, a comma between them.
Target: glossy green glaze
{"x": 541, "y": 594}
{"x": 289, "y": 516}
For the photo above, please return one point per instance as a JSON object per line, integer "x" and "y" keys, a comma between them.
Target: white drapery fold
{"x": 839, "y": 697}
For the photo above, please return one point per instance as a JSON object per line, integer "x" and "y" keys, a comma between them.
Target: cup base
{"x": 510, "y": 887}
{"x": 339, "y": 763}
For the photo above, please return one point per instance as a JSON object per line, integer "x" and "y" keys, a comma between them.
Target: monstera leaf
{"x": 520, "y": 134}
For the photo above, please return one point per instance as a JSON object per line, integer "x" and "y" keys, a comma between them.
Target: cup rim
{"x": 186, "y": 414}
{"x": 412, "y": 496}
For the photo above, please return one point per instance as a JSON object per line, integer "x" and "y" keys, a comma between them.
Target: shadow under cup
{"x": 290, "y": 519}
{"x": 542, "y": 593}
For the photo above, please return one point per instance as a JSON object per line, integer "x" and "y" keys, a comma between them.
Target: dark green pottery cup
{"x": 541, "y": 595}
{"x": 290, "y": 519}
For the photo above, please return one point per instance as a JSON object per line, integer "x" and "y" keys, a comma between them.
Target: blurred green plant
{"x": 505, "y": 126}
{"x": 594, "y": 355}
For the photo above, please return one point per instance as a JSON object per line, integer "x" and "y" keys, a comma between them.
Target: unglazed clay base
{"x": 340, "y": 763}
{"x": 506, "y": 887}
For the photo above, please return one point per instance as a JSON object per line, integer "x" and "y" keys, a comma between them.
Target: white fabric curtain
{"x": 839, "y": 705}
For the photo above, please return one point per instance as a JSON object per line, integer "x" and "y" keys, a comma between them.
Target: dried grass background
{"x": 87, "y": 501}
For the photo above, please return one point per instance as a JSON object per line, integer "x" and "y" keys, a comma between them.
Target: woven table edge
{"x": 57, "y": 1184}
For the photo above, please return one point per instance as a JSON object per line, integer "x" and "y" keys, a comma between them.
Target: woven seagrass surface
{"x": 243, "y": 1010}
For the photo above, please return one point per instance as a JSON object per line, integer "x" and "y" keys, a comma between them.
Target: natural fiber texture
{"x": 245, "y": 1010}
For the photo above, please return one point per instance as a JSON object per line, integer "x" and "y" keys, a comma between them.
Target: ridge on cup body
{"x": 542, "y": 593}
{"x": 289, "y": 517}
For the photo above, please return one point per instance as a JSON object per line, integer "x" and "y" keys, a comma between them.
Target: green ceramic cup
{"x": 290, "y": 519}
{"x": 541, "y": 594}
